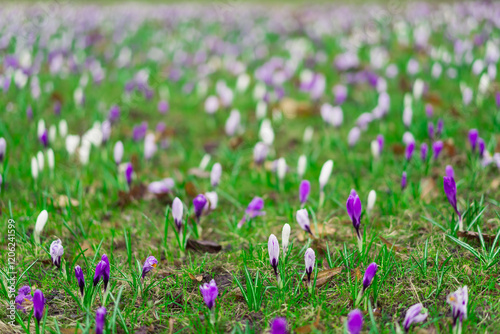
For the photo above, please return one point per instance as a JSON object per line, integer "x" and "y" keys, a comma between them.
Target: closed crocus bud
{"x": 354, "y": 208}
{"x": 50, "y": 159}
{"x": 118, "y": 152}
{"x": 34, "y": 168}
{"x": 407, "y": 116}
{"x": 458, "y": 301}
{"x": 304, "y": 190}
{"x": 106, "y": 130}
{"x": 41, "y": 220}
{"x": 353, "y": 136}
{"x": 424, "y": 149}
{"x": 450, "y": 189}
{"x": 100, "y": 320}
{"x": 3, "y": 148}
{"x": 72, "y": 142}
{"x": 274, "y": 252}
{"x": 481, "y": 145}
{"x": 308, "y": 134}
{"x": 449, "y": 171}
{"x": 215, "y": 174}
{"x": 80, "y": 278}
{"x": 150, "y": 146}
{"x": 415, "y": 314}
{"x": 281, "y": 168}
{"x": 40, "y": 160}
{"x": 380, "y": 140}
{"x": 211, "y": 105}
{"x": 209, "y": 293}
{"x": 177, "y": 210}
{"x": 439, "y": 128}
{"x": 266, "y": 132}
{"x": 129, "y": 171}
{"x": 56, "y": 252}
{"x": 163, "y": 107}
{"x": 370, "y": 272}
{"x": 309, "y": 258}
{"x": 285, "y": 237}
{"x": 473, "y": 137}
{"x": 260, "y": 153}
{"x": 278, "y": 326}
{"x": 44, "y": 138}
{"x": 233, "y": 123}
{"x": 63, "y": 128}
{"x": 301, "y": 166}
{"x": 199, "y": 203}
{"x": 404, "y": 181}
{"x": 38, "y": 305}
{"x": 437, "y": 147}
{"x": 325, "y": 173}
{"x": 375, "y": 148}
{"x": 409, "y": 151}
{"x": 372, "y": 197}
{"x": 102, "y": 271}
{"x": 150, "y": 263}
{"x": 302, "y": 217}
{"x": 354, "y": 322}
{"x": 212, "y": 200}
{"x": 430, "y": 130}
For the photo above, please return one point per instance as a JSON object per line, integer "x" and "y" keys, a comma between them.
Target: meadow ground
{"x": 271, "y": 94}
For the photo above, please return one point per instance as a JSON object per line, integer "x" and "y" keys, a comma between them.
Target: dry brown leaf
{"x": 70, "y": 331}
{"x": 198, "y": 278}
{"x": 449, "y": 148}
{"x": 323, "y": 229}
{"x": 191, "y": 190}
{"x": 398, "y": 149}
{"x": 495, "y": 183}
{"x": 433, "y": 98}
{"x": 292, "y": 108}
{"x": 235, "y": 142}
{"x": 198, "y": 172}
{"x": 310, "y": 328}
{"x": 470, "y": 235}
{"x": 203, "y": 246}
{"x": 326, "y": 276}
{"x": 358, "y": 274}
{"x": 428, "y": 189}
{"x": 391, "y": 245}
{"x": 171, "y": 325}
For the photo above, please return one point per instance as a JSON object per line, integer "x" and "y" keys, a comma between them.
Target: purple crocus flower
{"x": 253, "y": 210}
{"x": 354, "y": 322}
{"x": 449, "y": 171}
{"x": 114, "y": 114}
{"x": 209, "y": 293}
{"x": 304, "y": 190}
{"x": 302, "y": 217}
{"x": 436, "y": 149}
{"x": 409, "y": 150}
{"x": 458, "y": 301}
{"x": 370, "y": 272}
{"x": 429, "y": 110}
{"x": 38, "y": 305}
{"x": 100, "y": 320}
{"x": 44, "y": 138}
{"x": 450, "y": 189}
{"x": 102, "y": 270}
{"x": 439, "y": 128}
{"x": 199, "y": 203}
{"x": 260, "y": 153}
{"x": 278, "y": 326}
{"x": 415, "y": 314}
{"x": 481, "y": 145}
{"x": 404, "y": 181}
{"x": 118, "y": 152}
{"x": 57, "y": 108}
{"x": 309, "y": 258}
{"x": 129, "y": 170}
{"x": 150, "y": 263}
{"x": 163, "y": 107}
{"x": 24, "y": 294}
{"x": 80, "y": 278}
{"x": 56, "y": 252}
{"x": 497, "y": 99}
{"x": 424, "y": 149}
{"x": 430, "y": 129}
{"x": 273, "y": 248}
{"x": 380, "y": 141}
{"x": 177, "y": 208}
{"x": 473, "y": 136}
{"x": 139, "y": 131}
{"x": 215, "y": 174}
{"x": 29, "y": 113}
{"x": 353, "y": 206}
{"x": 340, "y": 92}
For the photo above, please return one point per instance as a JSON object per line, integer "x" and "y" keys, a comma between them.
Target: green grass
{"x": 423, "y": 261}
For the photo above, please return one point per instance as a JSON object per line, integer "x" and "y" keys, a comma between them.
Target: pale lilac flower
{"x": 304, "y": 190}
{"x": 353, "y": 136}
{"x": 285, "y": 236}
{"x": 415, "y": 314}
{"x": 163, "y": 107}
{"x": 302, "y": 217}
{"x": 177, "y": 213}
{"x": 209, "y": 293}
{"x": 273, "y": 248}
{"x": 233, "y": 123}
{"x": 458, "y": 301}
{"x": 56, "y": 252}
{"x": 211, "y": 105}
{"x": 118, "y": 152}
{"x": 404, "y": 181}
{"x": 309, "y": 258}
{"x": 260, "y": 153}
{"x": 150, "y": 263}
{"x": 449, "y": 171}
{"x": 215, "y": 174}
{"x": 161, "y": 187}
{"x": 150, "y": 147}
{"x": 3, "y": 148}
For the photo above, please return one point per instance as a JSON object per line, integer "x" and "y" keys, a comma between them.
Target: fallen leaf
{"x": 87, "y": 248}
{"x": 428, "y": 189}
{"x": 391, "y": 245}
{"x": 398, "y": 149}
{"x": 433, "y": 98}
{"x": 203, "y": 246}
{"x": 310, "y": 328}
{"x": 198, "y": 278}
{"x": 495, "y": 183}
{"x": 191, "y": 190}
{"x": 70, "y": 331}
{"x": 198, "y": 172}
{"x": 358, "y": 274}
{"x": 470, "y": 235}
{"x": 292, "y": 108}
{"x": 137, "y": 192}
{"x": 210, "y": 147}
{"x": 235, "y": 142}
{"x": 171, "y": 325}
{"x": 326, "y": 276}
{"x": 449, "y": 148}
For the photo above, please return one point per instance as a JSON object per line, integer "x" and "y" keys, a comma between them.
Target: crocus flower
{"x": 34, "y": 168}
{"x": 100, "y": 320}
{"x": 38, "y": 305}
{"x": 375, "y": 148}
{"x": 163, "y": 107}
{"x": 233, "y": 123}
{"x": 212, "y": 200}
{"x": 415, "y": 314}
{"x": 430, "y": 130}
{"x": 439, "y": 128}
{"x": 450, "y": 189}
{"x": 302, "y": 217}
{"x": 56, "y": 252}
{"x": 50, "y": 159}
{"x": 285, "y": 237}
{"x": 281, "y": 168}
{"x": 161, "y": 187}
{"x": 199, "y": 203}
{"x": 40, "y": 224}
{"x": 278, "y": 326}
{"x": 353, "y": 136}
{"x": 301, "y": 166}
{"x": 380, "y": 140}
{"x": 211, "y": 105}
{"x": 44, "y": 138}
{"x": 424, "y": 149}
{"x": 3, "y": 147}
{"x": 118, "y": 152}
{"x": 80, "y": 278}
{"x": 404, "y": 181}
{"x": 481, "y": 145}
{"x": 260, "y": 153}
{"x": 150, "y": 146}
{"x": 429, "y": 110}
{"x": 325, "y": 173}
{"x": 473, "y": 137}
{"x": 450, "y": 172}
{"x": 372, "y": 197}
{"x": 253, "y": 210}
{"x": 353, "y": 206}
{"x": 309, "y": 258}
{"x": 304, "y": 190}
{"x": 458, "y": 302}
{"x": 209, "y": 292}
{"x": 177, "y": 211}
{"x": 129, "y": 170}
{"x": 409, "y": 151}
{"x": 215, "y": 174}
{"x": 436, "y": 148}
{"x": 370, "y": 272}
{"x": 102, "y": 270}
{"x": 23, "y": 296}
{"x": 354, "y": 322}
{"x": 273, "y": 248}
{"x": 114, "y": 114}
{"x": 150, "y": 263}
